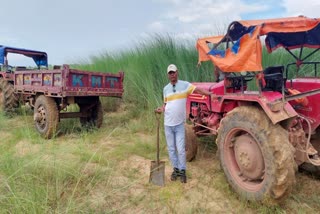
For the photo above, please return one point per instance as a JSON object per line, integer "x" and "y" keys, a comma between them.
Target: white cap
{"x": 172, "y": 67}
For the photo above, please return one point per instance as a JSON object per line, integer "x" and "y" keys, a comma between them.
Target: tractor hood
{"x": 40, "y": 58}
{"x": 243, "y": 48}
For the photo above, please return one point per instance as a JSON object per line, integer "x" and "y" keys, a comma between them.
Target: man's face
{"x": 173, "y": 76}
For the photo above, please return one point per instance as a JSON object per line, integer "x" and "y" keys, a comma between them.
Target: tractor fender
{"x": 276, "y": 111}
{"x": 281, "y": 112}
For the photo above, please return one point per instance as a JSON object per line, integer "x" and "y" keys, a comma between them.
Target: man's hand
{"x": 205, "y": 92}
{"x": 159, "y": 110}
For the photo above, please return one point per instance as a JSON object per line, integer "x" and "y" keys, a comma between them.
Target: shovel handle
{"x": 158, "y": 138}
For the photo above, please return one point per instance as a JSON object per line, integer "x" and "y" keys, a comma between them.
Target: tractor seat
{"x": 274, "y": 79}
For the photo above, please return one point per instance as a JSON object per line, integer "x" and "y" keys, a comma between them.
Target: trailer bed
{"x": 67, "y": 82}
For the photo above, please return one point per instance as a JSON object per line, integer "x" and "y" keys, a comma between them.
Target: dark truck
{"x": 50, "y": 91}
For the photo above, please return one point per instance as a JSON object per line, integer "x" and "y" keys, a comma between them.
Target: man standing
{"x": 175, "y": 96}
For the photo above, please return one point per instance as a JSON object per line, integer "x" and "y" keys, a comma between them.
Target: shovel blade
{"x": 157, "y": 173}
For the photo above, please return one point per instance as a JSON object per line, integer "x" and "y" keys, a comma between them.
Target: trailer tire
{"x": 46, "y": 116}
{"x": 95, "y": 117}
{"x": 191, "y": 141}
{"x": 256, "y": 156}
{"x": 8, "y": 99}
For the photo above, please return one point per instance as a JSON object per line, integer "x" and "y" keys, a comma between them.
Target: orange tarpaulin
{"x": 202, "y": 46}
{"x": 247, "y": 59}
{"x": 247, "y": 54}
{"x": 290, "y": 24}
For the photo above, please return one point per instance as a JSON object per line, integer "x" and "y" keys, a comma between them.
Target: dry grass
{"x": 107, "y": 171}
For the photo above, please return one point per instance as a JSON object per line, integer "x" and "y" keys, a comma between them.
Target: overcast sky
{"x": 73, "y": 30}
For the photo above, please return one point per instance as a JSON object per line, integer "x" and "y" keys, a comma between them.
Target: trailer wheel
{"x": 191, "y": 143}
{"x": 8, "y": 99}
{"x": 256, "y": 155}
{"x": 46, "y": 116}
{"x": 95, "y": 117}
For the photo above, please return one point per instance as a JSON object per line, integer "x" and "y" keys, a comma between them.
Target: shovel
{"x": 157, "y": 167}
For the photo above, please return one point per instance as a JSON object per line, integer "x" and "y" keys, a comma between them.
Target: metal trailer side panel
{"x": 85, "y": 83}
{"x": 69, "y": 82}
{"x": 48, "y": 82}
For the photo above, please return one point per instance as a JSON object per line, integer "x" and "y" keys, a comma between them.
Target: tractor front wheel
{"x": 255, "y": 155}
{"x": 191, "y": 141}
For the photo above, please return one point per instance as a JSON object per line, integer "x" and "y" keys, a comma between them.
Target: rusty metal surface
{"x": 69, "y": 82}
{"x": 157, "y": 173}
{"x": 6, "y": 76}
{"x": 249, "y": 157}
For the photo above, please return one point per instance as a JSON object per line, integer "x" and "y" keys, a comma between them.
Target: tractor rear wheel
{"x": 95, "y": 115}
{"x": 191, "y": 141}
{"x": 8, "y": 99}
{"x": 46, "y": 116}
{"x": 255, "y": 155}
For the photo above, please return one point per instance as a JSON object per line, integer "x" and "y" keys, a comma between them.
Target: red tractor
{"x": 266, "y": 119}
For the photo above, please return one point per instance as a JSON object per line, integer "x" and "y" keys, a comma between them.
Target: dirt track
{"x": 197, "y": 195}
{"x": 205, "y": 192}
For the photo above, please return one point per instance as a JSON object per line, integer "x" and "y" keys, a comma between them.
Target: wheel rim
{"x": 40, "y": 117}
{"x": 244, "y": 159}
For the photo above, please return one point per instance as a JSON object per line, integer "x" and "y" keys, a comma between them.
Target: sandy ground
{"x": 198, "y": 195}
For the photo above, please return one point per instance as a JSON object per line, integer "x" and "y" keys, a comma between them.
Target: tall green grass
{"x": 145, "y": 68}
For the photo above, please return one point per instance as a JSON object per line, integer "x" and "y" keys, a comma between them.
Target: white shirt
{"x": 175, "y": 97}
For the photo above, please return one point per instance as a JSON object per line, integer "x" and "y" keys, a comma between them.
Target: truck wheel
{"x": 191, "y": 143}
{"x": 95, "y": 117}
{"x": 8, "y": 99}
{"x": 46, "y": 116}
{"x": 255, "y": 155}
